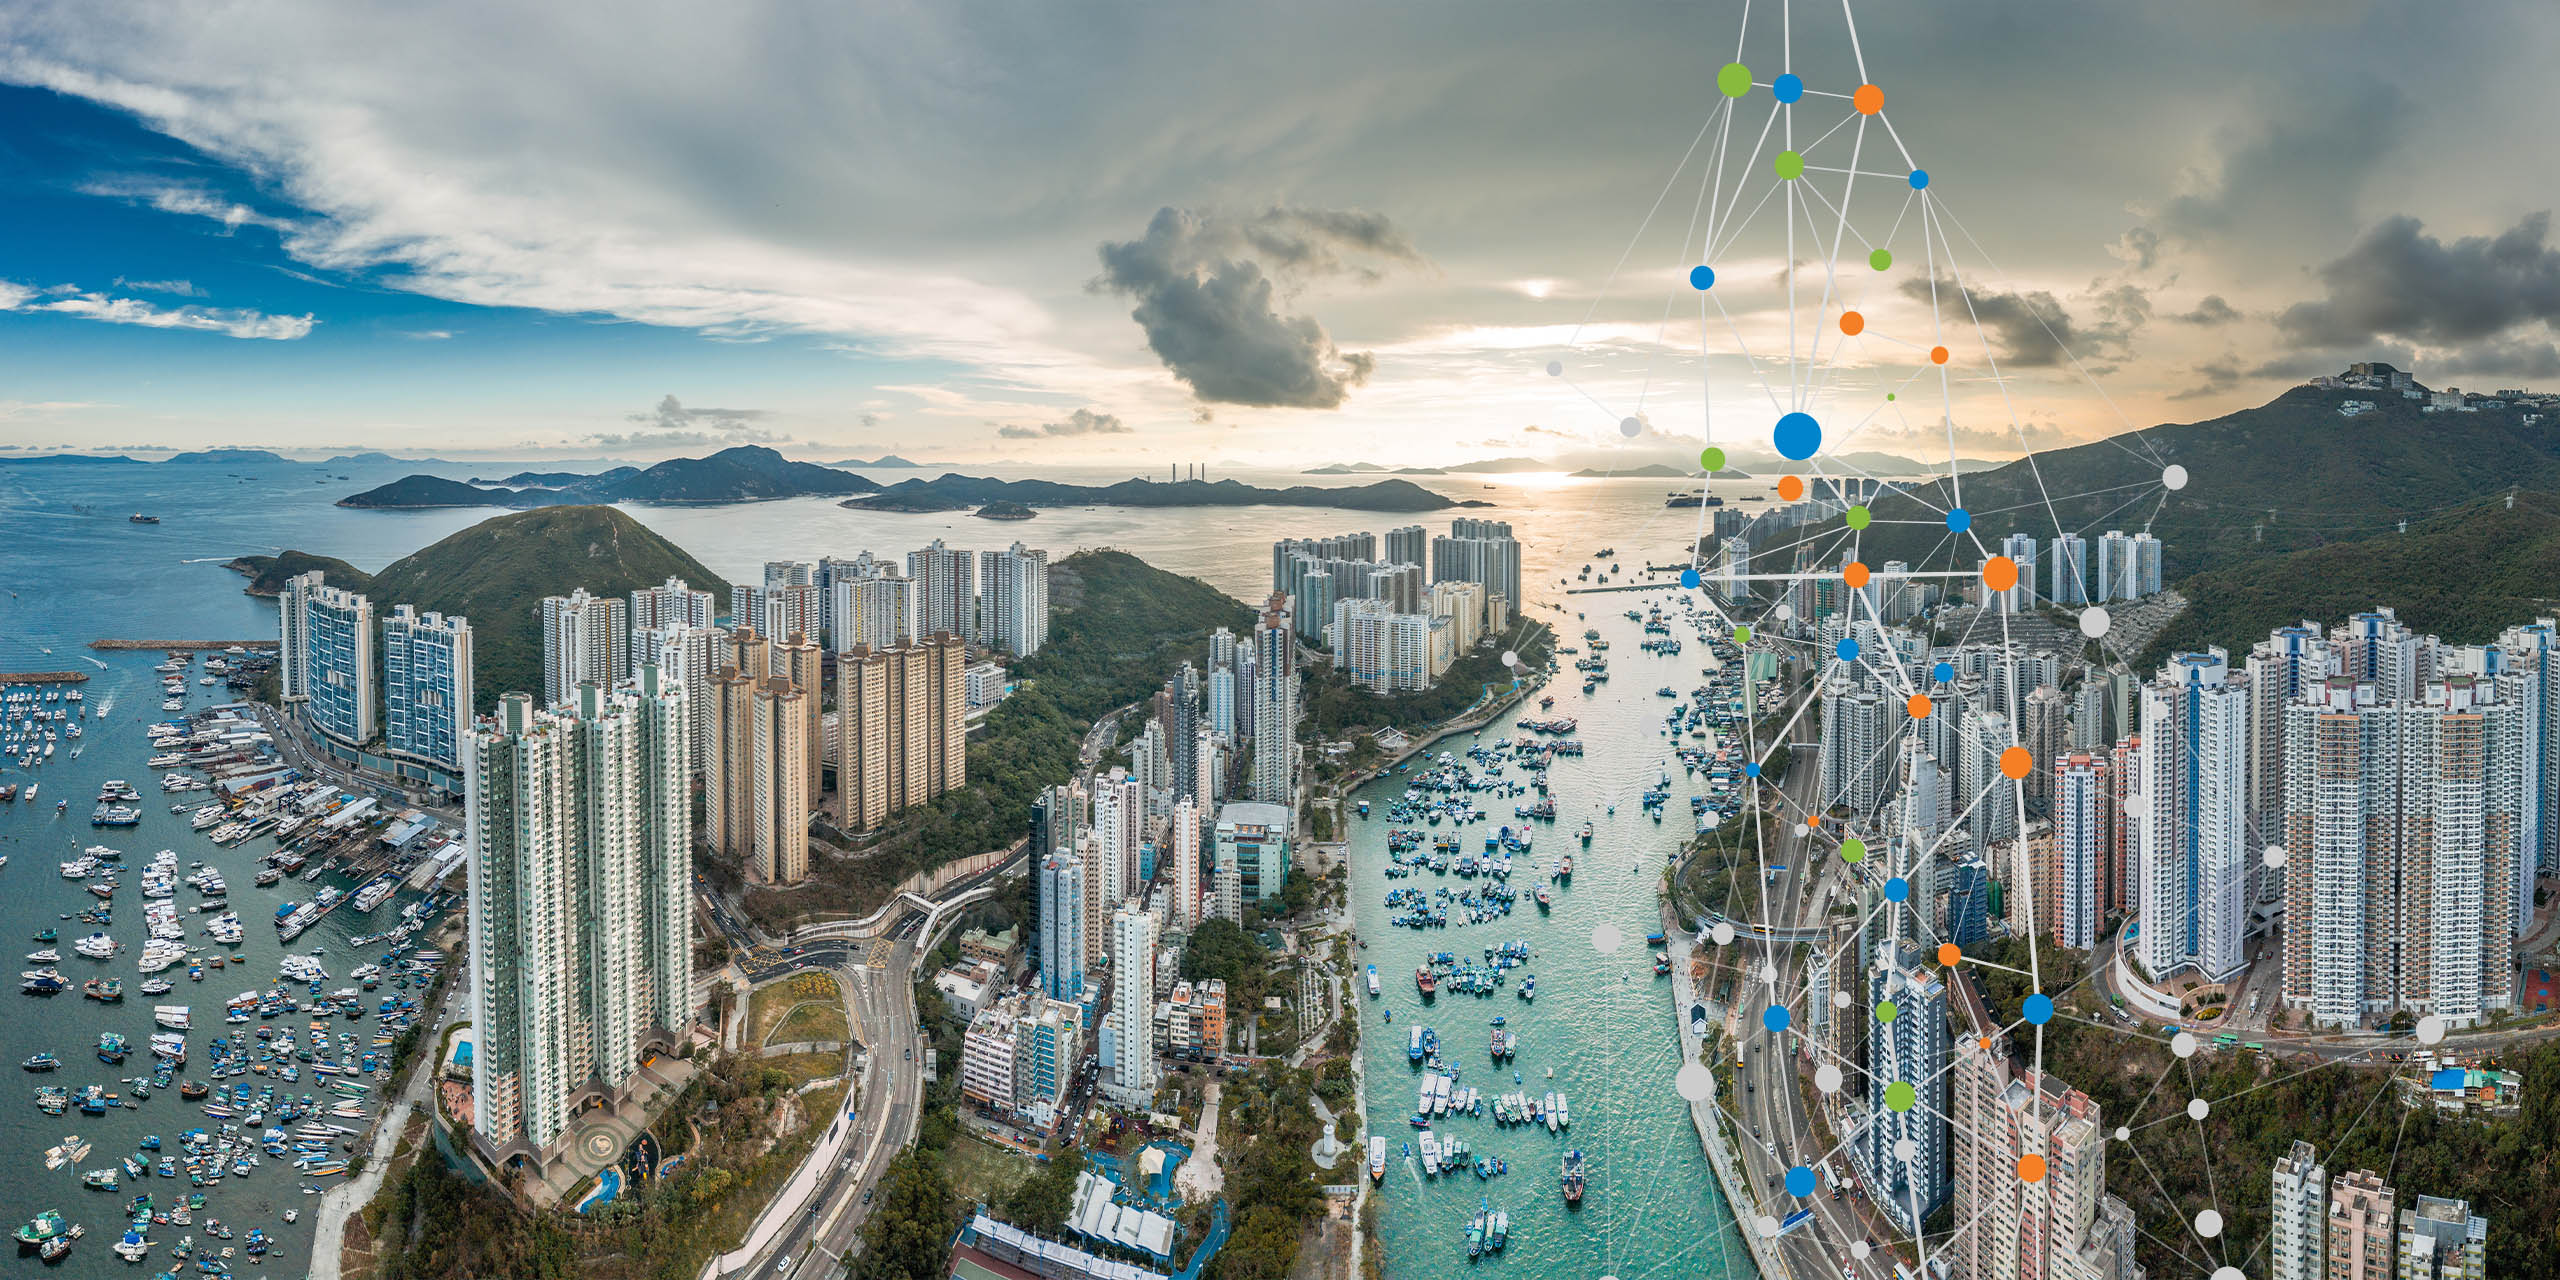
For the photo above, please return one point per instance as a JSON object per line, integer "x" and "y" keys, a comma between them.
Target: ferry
{"x": 1413, "y": 1046}
{"x": 1377, "y": 1158}
{"x": 139, "y": 518}
{"x": 1373, "y": 982}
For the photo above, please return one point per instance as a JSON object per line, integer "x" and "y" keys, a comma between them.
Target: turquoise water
{"x": 1602, "y": 1021}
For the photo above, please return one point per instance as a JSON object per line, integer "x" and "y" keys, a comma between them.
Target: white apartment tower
{"x": 1275, "y": 706}
{"x": 585, "y": 640}
{"x": 1133, "y": 1004}
{"x": 946, "y": 590}
{"x": 2297, "y": 1236}
{"x": 2194, "y": 859}
{"x": 1013, "y": 605}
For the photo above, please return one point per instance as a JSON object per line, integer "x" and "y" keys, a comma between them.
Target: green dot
{"x": 1853, "y": 849}
{"x": 1880, "y": 259}
{"x": 1888, "y": 395}
{"x": 1734, "y": 79}
{"x": 1742, "y": 635}
{"x": 1886, "y": 1012}
{"x": 1790, "y": 166}
{"x": 1900, "y": 1096}
{"x": 1859, "y": 516}
{"x": 1712, "y": 458}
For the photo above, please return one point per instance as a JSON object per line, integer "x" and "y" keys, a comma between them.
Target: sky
{"x": 1247, "y": 235}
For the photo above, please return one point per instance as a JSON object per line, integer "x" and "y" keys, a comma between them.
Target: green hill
{"x": 2464, "y": 575}
{"x": 497, "y": 571}
{"x": 2288, "y": 475}
{"x": 266, "y": 574}
{"x": 746, "y": 473}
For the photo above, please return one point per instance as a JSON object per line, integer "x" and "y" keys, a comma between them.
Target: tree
{"x": 1041, "y": 1203}
{"x": 909, "y": 1235}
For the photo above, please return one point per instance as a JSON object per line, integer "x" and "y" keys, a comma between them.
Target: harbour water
{"x": 76, "y": 570}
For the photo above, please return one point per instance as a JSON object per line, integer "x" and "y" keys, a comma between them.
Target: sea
{"x": 76, "y": 569}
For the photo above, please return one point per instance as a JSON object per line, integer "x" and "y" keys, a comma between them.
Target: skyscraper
{"x": 585, "y": 640}
{"x": 796, "y": 659}
{"x": 293, "y": 638}
{"x": 2067, "y": 571}
{"x": 756, "y": 799}
{"x": 1384, "y": 651}
{"x": 1062, "y": 908}
{"x": 1184, "y": 875}
{"x": 1480, "y": 551}
{"x": 580, "y": 836}
{"x": 338, "y": 673}
{"x": 688, "y": 656}
{"x": 901, "y": 728}
{"x": 946, "y": 591}
{"x": 1410, "y": 544}
{"x": 1252, "y": 856}
{"x": 778, "y": 608}
{"x": 1178, "y": 715}
{"x": 1858, "y": 731}
{"x": 2361, "y": 1227}
{"x": 874, "y": 610}
{"x": 1133, "y": 1005}
{"x": 1907, "y": 1045}
{"x": 1275, "y": 706}
{"x": 2119, "y": 573}
{"x": 2532, "y": 657}
{"x": 2076, "y": 886}
{"x": 2282, "y": 668}
{"x": 2044, "y": 723}
{"x": 2297, "y": 1245}
{"x": 426, "y": 687}
{"x": 1013, "y": 604}
{"x": 1119, "y": 827}
{"x": 2194, "y": 837}
{"x": 2020, "y": 548}
{"x": 669, "y": 605}
{"x": 2060, "y": 1224}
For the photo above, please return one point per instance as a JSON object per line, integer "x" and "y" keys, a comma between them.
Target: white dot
{"x": 1906, "y": 1150}
{"x": 2094, "y": 621}
{"x": 2230, "y": 1273}
{"x": 2198, "y": 1108}
{"x": 1555, "y": 368}
{"x": 1694, "y": 1082}
{"x": 1858, "y": 1249}
{"x": 2173, "y": 476}
{"x": 2431, "y": 1029}
{"x": 1511, "y": 657}
{"x": 1723, "y": 933}
{"x": 2208, "y": 1224}
{"x": 1839, "y": 999}
{"x": 2137, "y": 806}
{"x": 1769, "y": 974}
{"x": 2183, "y": 1045}
{"x": 1801, "y": 830}
{"x": 1767, "y": 1226}
{"x": 1606, "y": 939}
{"x": 2123, "y": 1134}
{"x": 1631, "y": 427}
{"x": 1784, "y": 613}
{"x": 2275, "y": 855}
{"x": 1827, "y": 1078}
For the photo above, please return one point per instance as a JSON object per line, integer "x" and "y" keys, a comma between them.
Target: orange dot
{"x": 2031, "y": 1168}
{"x": 1813, "y": 819}
{"x": 2016, "y": 763}
{"x": 1919, "y": 706}
{"x": 1855, "y": 574}
{"x": 1791, "y": 487}
{"x": 1999, "y": 573}
{"x": 1852, "y": 323}
{"x": 1937, "y": 355}
{"x": 1868, "y": 99}
{"x": 1985, "y": 1043}
{"x": 1949, "y": 953}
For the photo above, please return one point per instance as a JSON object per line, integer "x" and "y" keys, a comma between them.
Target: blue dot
{"x": 1919, "y": 179}
{"x": 1775, "y": 1018}
{"x": 1943, "y": 673}
{"x": 1751, "y": 769}
{"x": 2039, "y": 1009}
{"x": 1702, "y": 277}
{"x": 1848, "y": 650}
{"x": 1798, "y": 436}
{"x": 1897, "y": 889}
{"x": 1800, "y": 1181}
{"x": 1788, "y": 87}
{"x": 1689, "y": 579}
{"x": 1959, "y": 519}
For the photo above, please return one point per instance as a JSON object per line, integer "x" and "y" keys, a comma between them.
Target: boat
{"x": 1586, "y": 833}
{"x": 42, "y": 1062}
{"x": 1373, "y": 980}
{"x": 99, "y": 1179}
{"x": 42, "y": 1227}
{"x": 173, "y": 1016}
{"x": 1573, "y": 1179}
{"x": 1413, "y": 1046}
{"x": 139, "y": 518}
{"x": 1475, "y": 1235}
{"x": 1425, "y": 981}
{"x": 1377, "y": 1159}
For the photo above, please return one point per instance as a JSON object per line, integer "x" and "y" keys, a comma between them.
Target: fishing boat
{"x": 1425, "y": 981}
{"x": 42, "y": 1227}
{"x": 1573, "y": 1179}
{"x": 42, "y": 1062}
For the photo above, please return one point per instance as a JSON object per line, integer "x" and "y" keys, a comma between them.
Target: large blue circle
{"x": 1847, "y": 649}
{"x": 1788, "y": 87}
{"x": 1800, "y": 1181}
{"x": 1775, "y": 1018}
{"x": 1751, "y": 769}
{"x": 1959, "y": 519}
{"x": 2039, "y": 1009}
{"x": 1943, "y": 673}
{"x": 1897, "y": 889}
{"x": 1689, "y": 579}
{"x": 1797, "y": 437}
{"x": 1702, "y": 277}
{"x": 1919, "y": 179}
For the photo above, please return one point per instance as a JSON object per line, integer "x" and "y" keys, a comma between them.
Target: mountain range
{"x": 747, "y": 473}
{"x": 954, "y": 492}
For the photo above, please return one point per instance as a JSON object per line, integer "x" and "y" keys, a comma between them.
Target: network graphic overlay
{"x": 1831, "y": 288}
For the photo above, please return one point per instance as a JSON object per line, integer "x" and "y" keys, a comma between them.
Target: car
{"x": 866, "y": 1196}
{"x": 781, "y": 1265}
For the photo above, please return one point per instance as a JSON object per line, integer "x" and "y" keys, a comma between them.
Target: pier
{"x": 43, "y": 677}
{"x": 267, "y": 642}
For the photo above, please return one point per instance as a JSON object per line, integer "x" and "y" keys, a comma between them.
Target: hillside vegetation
{"x": 267, "y": 574}
{"x": 746, "y": 473}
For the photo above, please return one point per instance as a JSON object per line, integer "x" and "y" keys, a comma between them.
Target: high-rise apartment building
{"x": 1062, "y": 946}
{"x": 1251, "y": 855}
{"x": 875, "y": 611}
{"x": 756, "y": 798}
{"x": 426, "y": 687}
{"x": 689, "y": 656}
{"x": 946, "y": 591}
{"x": 585, "y": 640}
{"x": 2441, "y": 1239}
{"x": 780, "y": 608}
{"x": 902, "y": 733}
{"x": 2281, "y": 669}
{"x": 1275, "y": 706}
{"x": 1183, "y": 877}
{"x": 338, "y": 676}
{"x": 1907, "y": 1047}
{"x": 1384, "y": 651}
{"x": 580, "y": 832}
{"x": 2009, "y": 1120}
{"x": 2531, "y": 661}
{"x": 2194, "y": 838}
{"x": 1410, "y": 544}
{"x": 2020, "y": 548}
{"x": 1119, "y": 831}
{"x": 2076, "y": 883}
{"x": 2044, "y": 725}
{"x": 1013, "y": 599}
{"x": 293, "y": 636}
{"x": 1480, "y": 551}
{"x": 2362, "y": 1230}
{"x": 2067, "y": 571}
{"x": 1858, "y": 731}
{"x": 1132, "y": 1080}
{"x": 667, "y": 606}
{"x": 2297, "y": 1236}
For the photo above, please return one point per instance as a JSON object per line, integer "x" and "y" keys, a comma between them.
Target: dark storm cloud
{"x": 1211, "y": 312}
{"x": 1083, "y": 422}
{"x": 2210, "y": 379}
{"x": 2399, "y": 282}
{"x": 2212, "y": 311}
{"x": 2033, "y": 330}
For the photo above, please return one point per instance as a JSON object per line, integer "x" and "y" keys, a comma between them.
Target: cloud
{"x": 672, "y": 421}
{"x": 662, "y": 439}
{"x": 1534, "y": 429}
{"x": 2032, "y": 329}
{"x": 175, "y": 288}
{"x": 427, "y": 335}
{"x": 188, "y": 201}
{"x": 1208, "y": 307}
{"x": 2212, "y": 378}
{"x": 233, "y": 322}
{"x": 2400, "y": 282}
{"x": 2212, "y": 311}
{"x": 871, "y": 419}
{"x": 1083, "y": 422}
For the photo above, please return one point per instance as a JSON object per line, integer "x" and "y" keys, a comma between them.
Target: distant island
{"x": 1004, "y": 511}
{"x": 747, "y": 473}
{"x": 958, "y": 492}
{"x": 1650, "y": 470}
{"x": 379, "y": 457}
{"x": 236, "y": 457}
{"x": 1370, "y": 468}
{"x": 67, "y": 459}
{"x": 884, "y": 460}
{"x": 557, "y": 479}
